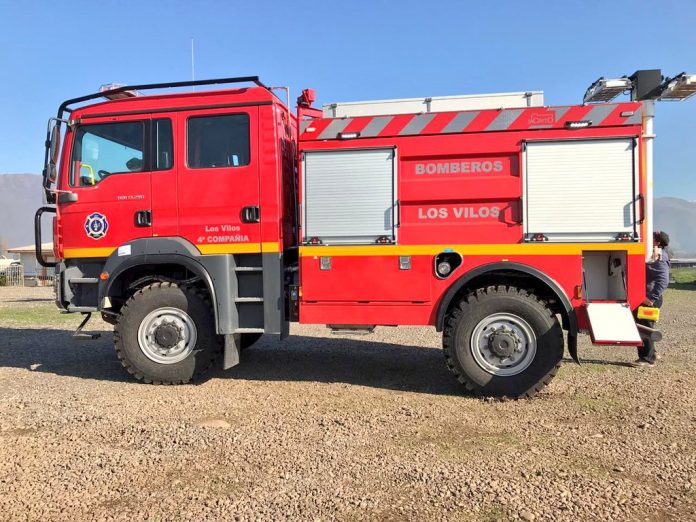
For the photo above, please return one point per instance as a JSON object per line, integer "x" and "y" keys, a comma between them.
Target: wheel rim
{"x": 167, "y": 335}
{"x": 503, "y": 344}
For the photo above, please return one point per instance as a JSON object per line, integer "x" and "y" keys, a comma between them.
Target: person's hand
{"x": 647, "y": 302}
{"x": 657, "y": 253}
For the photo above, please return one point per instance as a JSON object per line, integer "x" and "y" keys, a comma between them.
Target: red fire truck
{"x": 195, "y": 222}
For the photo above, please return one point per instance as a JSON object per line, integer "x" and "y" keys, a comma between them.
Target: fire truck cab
{"x": 195, "y": 222}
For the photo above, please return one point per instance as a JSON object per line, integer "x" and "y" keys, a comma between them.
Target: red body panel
{"x": 366, "y": 279}
{"x": 343, "y": 296}
{"x": 458, "y": 188}
{"x": 202, "y": 205}
{"x": 210, "y": 200}
{"x": 117, "y": 197}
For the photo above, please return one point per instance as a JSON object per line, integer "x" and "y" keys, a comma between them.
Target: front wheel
{"x": 165, "y": 334}
{"x": 503, "y": 342}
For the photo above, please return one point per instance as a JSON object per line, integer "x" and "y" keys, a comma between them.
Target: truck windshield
{"x": 104, "y": 149}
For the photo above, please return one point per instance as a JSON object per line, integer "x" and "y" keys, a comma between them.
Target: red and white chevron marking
{"x": 601, "y": 115}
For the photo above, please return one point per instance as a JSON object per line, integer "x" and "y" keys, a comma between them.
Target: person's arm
{"x": 659, "y": 273}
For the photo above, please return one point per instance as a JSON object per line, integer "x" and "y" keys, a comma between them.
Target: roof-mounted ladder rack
{"x": 65, "y": 106}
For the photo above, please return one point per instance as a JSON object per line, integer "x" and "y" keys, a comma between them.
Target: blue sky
{"x": 346, "y": 50}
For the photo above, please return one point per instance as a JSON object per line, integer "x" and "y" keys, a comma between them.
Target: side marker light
{"x": 578, "y": 124}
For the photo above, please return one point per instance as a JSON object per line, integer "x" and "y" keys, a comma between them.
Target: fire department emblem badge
{"x": 96, "y": 225}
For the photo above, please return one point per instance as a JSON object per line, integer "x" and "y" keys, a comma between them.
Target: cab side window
{"x": 218, "y": 141}
{"x": 103, "y": 149}
{"x": 164, "y": 144}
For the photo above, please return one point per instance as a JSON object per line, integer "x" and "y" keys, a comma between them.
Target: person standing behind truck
{"x": 657, "y": 280}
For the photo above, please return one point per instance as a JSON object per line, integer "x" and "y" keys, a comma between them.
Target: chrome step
{"x": 249, "y": 330}
{"x": 84, "y": 280}
{"x": 248, "y": 300}
{"x": 351, "y": 329}
{"x": 248, "y": 269}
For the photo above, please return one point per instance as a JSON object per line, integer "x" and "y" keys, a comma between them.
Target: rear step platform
{"x": 612, "y": 323}
{"x": 79, "y": 335}
{"x": 351, "y": 329}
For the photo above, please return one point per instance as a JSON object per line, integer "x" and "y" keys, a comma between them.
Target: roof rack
{"x": 65, "y": 106}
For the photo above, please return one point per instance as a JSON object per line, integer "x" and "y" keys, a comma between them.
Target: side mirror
{"x": 55, "y": 143}
{"x": 52, "y": 172}
{"x": 53, "y": 153}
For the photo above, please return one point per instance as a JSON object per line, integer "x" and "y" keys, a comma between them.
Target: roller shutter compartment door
{"x": 580, "y": 190}
{"x": 349, "y": 195}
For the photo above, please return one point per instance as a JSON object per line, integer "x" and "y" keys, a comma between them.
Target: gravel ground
{"x": 320, "y": 427}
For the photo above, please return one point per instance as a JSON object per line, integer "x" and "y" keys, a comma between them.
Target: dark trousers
{"x": 647, "y": 351}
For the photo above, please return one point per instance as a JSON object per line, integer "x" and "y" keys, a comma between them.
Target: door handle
{"x": 143, "y": 218}
{"x": 251, "y": 214}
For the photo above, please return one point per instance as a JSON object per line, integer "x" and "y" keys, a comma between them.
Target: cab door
{"x": 218, "y": 181}
{"x": 106, "y": 199}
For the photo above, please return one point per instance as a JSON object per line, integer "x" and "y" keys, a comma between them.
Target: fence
{"x": 44, "y": 276}
{"x": 12, "y": 275}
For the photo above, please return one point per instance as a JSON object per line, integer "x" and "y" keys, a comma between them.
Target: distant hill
{"x": 677, "y": 217}
{"x": 20, "y": 196}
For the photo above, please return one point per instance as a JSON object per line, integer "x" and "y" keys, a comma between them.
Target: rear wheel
{"x": 165, "y": 334}
{"x": 503, "y": 342}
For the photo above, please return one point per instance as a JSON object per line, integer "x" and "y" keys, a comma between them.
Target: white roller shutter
{"x": 349, "y": 195}
{"x": 580, "y": 190}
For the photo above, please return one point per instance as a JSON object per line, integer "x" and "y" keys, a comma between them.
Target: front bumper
{"x": 58, "y": 286}
{"x": 77, "y": 285}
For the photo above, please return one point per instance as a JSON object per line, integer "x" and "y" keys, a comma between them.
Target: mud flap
{"x": 573, "y": 346}
{"x": 233, "y": 344}
{"x": 612, "y": 323}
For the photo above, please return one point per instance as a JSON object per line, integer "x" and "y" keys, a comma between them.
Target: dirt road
{"x": 322, "y": 428}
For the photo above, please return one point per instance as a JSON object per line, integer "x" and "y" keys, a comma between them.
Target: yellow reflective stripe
{"x": 518, "y": 249}
{"x": 72, "y": 253}
{"x": 272, "y": 246}
{"x": 238, "y": 248}
{"x": 220, "y": 248}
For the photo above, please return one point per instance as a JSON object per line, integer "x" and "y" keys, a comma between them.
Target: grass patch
{"x": 684, "y": 278}
{"x": 495, "y": 514}
{"x": 588, "y": 466}
{"x": 459, "y": 442}
{"x": 37, "y": 315}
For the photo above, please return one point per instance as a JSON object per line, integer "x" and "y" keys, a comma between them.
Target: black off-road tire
{"x": 195, "y": 303}
{"x": 475, "y": 307}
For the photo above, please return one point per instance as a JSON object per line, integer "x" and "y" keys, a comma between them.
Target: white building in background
{"x": 33, "y": 271}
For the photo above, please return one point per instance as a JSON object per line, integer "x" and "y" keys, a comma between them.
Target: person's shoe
{"x": 642, "y": 363}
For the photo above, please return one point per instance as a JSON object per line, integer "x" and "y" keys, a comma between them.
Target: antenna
{"x": 193, "y": 65}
